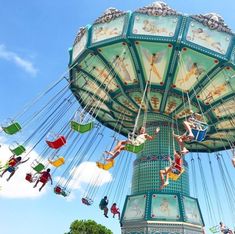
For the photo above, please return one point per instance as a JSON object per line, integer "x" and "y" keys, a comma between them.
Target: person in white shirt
{"x": 140, "y": 139}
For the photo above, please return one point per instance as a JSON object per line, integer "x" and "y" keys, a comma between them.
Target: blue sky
{"x": 34, "y": 41}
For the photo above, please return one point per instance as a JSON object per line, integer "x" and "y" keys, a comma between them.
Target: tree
{"x": 87, "y": 227}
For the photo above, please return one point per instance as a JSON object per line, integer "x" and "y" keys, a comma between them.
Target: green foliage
{"x": 87, "y": 227}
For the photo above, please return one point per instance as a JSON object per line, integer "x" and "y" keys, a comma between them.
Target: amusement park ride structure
{"x": 152, "y": 68}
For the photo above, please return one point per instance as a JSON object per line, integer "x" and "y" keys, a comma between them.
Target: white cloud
{"x": 86, "y": 173}
{"x": 19, "y": 61}
{"x": 17, "y": 186}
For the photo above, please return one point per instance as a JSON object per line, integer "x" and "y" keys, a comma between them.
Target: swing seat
{"x": 60, "y": 191}
{"x": 175, "y": 175}
{"x": 18, "y": 150}
{"x": 215, "y": 229}
{"x": 199, "y": 135}
{"x": 81, "y": 128}
{"x": 37, "y": 166}
{"x": 57, "y": 190}
{"x": 58, "y": 162}
{"x": 134, "y": 148}
{"x": 12, "y": 128}
{"x": 105, "y": 166}
{"x": 87, "y": 201}
{"x": 57, "y": 143}
{"x": 30, "y": 178}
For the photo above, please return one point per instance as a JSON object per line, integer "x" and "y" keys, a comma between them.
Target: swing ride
{"x": 149, "y": 69}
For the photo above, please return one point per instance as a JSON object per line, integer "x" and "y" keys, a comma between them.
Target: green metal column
{"x": 154, "y": 157}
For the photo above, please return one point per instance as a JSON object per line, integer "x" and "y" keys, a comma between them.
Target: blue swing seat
{"x": 199, "y": 134}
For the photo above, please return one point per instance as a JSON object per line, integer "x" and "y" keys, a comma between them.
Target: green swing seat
{"x": 215, "y": 229}
{"x": 12, "y": 128}
{"x": 20, "y": 149}
{"x": 134, "y": 148}
{"x": 81, "y": 128}
{"x": 37, "y": 166}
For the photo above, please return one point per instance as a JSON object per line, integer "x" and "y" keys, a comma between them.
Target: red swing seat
{"x": 60, "y": 141}
{"x": 87, "y": 201}
{"x": 57, "y": 190}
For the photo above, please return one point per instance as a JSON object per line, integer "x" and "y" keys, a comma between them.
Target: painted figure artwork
{"x": 158, "y": 56}
{"x": 192, "y": 67}
{"x": 135, "y": 208}
{"x": 105, "y": 77}
{"x": 186, "y": 112}
{"x": 172, "y": 104}
{"x": 192, "y": 211}
{"x": 217, "y": 88}
{"x": 155, "y": 60}
{"x": 225, "y": 109}
{"x": 126, "y": 103}
{"x": 137, "y": 98}
{"x": 108, "y": 30}
{"x": 122, "y": 67}
{"x": 165, "y": 206}
{"x": 79, "y": 46}
{"x": 122, "y": 62}
{"x": 155, "y": 99}
{"x": 211, "y": 39}
{"x": 155, "y": 25}
{"x": 225, "y": 124}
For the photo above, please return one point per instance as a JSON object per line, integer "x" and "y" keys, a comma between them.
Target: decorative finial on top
{"x": 157, "y": 9}
{"x": 213, "y": 21}
{"x": 80, "y": 34}
{"x": 110, "y": 14}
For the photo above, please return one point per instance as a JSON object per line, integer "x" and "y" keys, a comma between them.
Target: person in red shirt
{"x": 175, "y": 167}
{"x": 115, "y": 210}
{"x": 45, "y": 176}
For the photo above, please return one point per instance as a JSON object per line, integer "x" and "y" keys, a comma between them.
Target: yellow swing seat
{"x": 105, "y": 166}
{"x": 58, "y": 162}
{"x": 175, "y": 176}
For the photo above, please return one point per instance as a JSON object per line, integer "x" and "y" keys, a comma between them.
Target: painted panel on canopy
{"x": 228, "y": 135}
{"x": 212, "y": 144}
{"x": 218, "y": 87}
{"x": 135, "y": 207}
{"x": 96, "y": 90}
{"x": 128, "y": 125}
{"x": 185, "y": 111}
{"x": 137, "y": 98}
{"x": 79, "y": 79}
{"x": 210, "y": 39}
{"x": 159, "y": 54}
{"x": 225, "y": 109}
{"x": 227, "y": 124}
{"x": 99, "y": 71}
{"x": 105, "y": 117}
{"x": 121, "y": 109}
{"x": 120, "y": 117}
{"x": 165, "y": 207}
{"x": 108, "y": 30}
{"x": 122, "y": 62}
{"x": 163, "y": 26}
{"x": 79, "y": 46}
{"x": 126, "y": 103}
{"x": 172, "y": 103}
{"x": 191, "y": 68}
{"x": 196, "y": 146}
{"x": 96, "y": 103}
{"x": 155, "y": 100}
